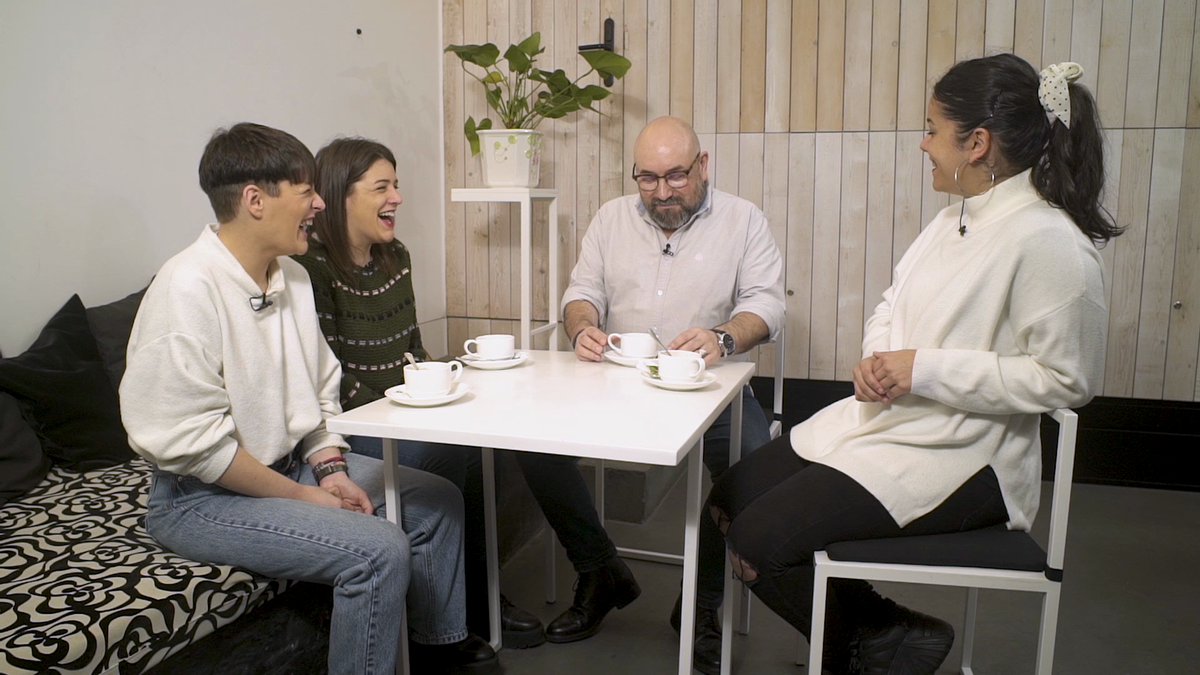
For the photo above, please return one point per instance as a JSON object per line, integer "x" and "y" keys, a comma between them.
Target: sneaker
{"x": 910, "y": 643}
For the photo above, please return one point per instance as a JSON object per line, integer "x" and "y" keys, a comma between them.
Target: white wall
{"x": 105, "y": 108}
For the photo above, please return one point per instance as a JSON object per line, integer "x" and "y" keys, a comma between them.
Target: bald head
{"x": 665, "y": 143}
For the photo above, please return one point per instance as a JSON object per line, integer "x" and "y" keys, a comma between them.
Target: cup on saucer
{"x": 431, "y": 379}
{"x": 491, "y": 347}
{"x": 633, "y": 345}
{"x": 677, "y": 365}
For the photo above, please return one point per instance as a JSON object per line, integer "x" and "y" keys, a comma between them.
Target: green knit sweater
{"x": 369, "y": 327}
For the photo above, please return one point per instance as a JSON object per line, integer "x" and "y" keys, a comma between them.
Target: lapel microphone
{"x": 667, "y": 250}
{"x": 260, "y": 302}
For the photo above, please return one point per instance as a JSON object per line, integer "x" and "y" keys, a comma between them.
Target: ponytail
{"x": 1070, "y": 173}
{"x": 1001, "y": 94}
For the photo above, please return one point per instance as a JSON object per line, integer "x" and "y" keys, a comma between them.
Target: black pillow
{"x": 66, "y": 395}
{"x": 111, "y": 325}
{"x": 22, "y": 464}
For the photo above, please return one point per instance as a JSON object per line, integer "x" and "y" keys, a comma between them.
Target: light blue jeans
{"x": 371, "y": 563}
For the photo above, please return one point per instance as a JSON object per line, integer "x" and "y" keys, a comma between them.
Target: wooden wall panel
{"x": 704, "y": 95}
{"x": 1184, "y": 331}
{"x": 999, "y": 25}
{"x": 758, "y": 77}
{"x": 912, "y": 88}
{"x": 851, "y": 253}
{"x": 778, "y": 95}
{"x": 831, "y": 56}
{"x": 885, "y": 63}
{"x": 856, "y": 96}
{"x": 1144, "y": 48}
{"x": 754, "y": 66}
{"x": 1115, "y": 23}
{"x": 1175, "y": 63}
{"x": 969, "y": 29}
{"x": 683, "y": 37}
{"x": 1162, "y": 225}
{"x": 803, "y": 107}
{"x": 798, "y": 258}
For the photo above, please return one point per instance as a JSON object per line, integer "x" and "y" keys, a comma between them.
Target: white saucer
{"x": 496, "y": 364}
{"x": 399, "y": 395}
{"x": 705, "y": 380}
{"x": 627, "y": 361}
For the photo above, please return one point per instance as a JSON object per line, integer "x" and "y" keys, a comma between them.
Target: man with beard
{"x": 701, "y": 266}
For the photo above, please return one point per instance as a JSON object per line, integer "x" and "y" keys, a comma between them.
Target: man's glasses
{"x": 648, "y": 182}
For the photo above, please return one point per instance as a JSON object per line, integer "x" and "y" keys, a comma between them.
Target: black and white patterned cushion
{"x": 84, "y": 588}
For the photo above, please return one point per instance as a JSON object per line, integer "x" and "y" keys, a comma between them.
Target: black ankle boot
{"x": 472, "y": 655}
{"x": 521, "y": 630}
{"x": 894, "y": 640}
{"x": 596, "y": 594}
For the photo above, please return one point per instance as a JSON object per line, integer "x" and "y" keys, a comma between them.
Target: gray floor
{"x": 1130, "y": 603}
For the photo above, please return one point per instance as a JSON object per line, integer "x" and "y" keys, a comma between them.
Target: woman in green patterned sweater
{"x": 362, "y": 284}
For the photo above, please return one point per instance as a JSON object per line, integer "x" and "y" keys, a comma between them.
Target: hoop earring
{"x": 963, "y": 189}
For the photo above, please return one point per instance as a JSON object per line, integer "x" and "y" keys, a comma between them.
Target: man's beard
{"x": 673, "y": 219}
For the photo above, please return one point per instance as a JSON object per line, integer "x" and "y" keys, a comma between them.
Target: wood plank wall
{"x": 814, "y": 110}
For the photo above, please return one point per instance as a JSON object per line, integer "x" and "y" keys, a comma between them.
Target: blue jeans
{"x": 462, "y": 466}
{"x": 373, "y": 565}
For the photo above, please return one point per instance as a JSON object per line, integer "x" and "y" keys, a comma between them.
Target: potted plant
{"x": 522, "y": 98}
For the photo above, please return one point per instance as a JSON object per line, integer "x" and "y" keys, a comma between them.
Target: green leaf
{"x": 595, "y": 92}
{"x": 469, "y": 130}
{"x": 530, "y": 46}
{"x": 558, "y": 81}
{"x": 493, "y": 98}
{"x": 607, "y": 63}
{"x": 518, "y": 62}
{"x": 484, "y": 55}
{"x": 494, "y": 77}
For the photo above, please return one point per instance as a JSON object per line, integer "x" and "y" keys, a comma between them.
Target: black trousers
{"x": 777, "y": 509}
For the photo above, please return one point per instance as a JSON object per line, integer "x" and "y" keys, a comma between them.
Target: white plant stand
{"x": 525, "y": 198}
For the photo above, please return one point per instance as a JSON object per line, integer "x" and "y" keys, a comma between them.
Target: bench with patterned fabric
{"x": 84, "y": 589}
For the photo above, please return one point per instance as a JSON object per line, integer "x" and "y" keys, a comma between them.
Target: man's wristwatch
{"x": 725, "y": 342}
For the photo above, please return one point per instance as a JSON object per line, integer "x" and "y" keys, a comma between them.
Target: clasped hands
{"x": 338, "y": 491}
{"x": 883, "y": 377}
{"x": 591, "y": 341}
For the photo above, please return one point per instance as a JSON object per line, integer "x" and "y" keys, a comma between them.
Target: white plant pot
{"x": 511, "y": 157}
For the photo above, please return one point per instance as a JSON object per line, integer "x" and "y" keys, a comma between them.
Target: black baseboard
{"x": 1122, "y": 441}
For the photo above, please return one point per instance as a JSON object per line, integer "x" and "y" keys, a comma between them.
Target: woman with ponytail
{"x": 996, "y": 314}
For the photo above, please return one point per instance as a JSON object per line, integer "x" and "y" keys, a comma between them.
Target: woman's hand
{"x": 351, "y": 496}
{"x": 866, "y": 387}
{"x": 893, "y": 371}
{"x": 331, "y": 497}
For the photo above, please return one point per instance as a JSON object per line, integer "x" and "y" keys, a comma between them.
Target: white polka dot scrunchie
{"x": 1053, "y": 93}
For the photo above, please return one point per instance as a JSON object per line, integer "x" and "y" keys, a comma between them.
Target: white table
{"x": 562, "y": 406}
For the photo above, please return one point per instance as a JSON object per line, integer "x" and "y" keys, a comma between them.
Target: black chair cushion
{"x": 996, "y": 548}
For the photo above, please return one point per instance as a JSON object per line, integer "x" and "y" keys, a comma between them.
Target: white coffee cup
{"x": 431, "y": 378}
{"x": 633, "y": 345}
{"x": 491, "y": 347}
{"x": 677, "y": 365}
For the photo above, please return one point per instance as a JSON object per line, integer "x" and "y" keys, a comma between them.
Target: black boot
{"x": 472, "y": 655}
{"x": 706, "y": 650}
{"x": 520, "y": 629}
{"x": 894, "y": 640}
{"x": 596, "y": 594}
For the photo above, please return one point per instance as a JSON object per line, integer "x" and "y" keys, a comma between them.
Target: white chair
{"x": 991, "y": 558}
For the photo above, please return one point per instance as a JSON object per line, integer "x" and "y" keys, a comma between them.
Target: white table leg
{"x": 691, "y": 554}
{"x": 735, "y": 454}
{"x": 493, "y": 556}
{"x": 391, "y": 496}
{"x": 526, "y": 272}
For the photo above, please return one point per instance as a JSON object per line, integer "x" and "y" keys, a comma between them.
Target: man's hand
{"x": 590, "y": 344}
{"x": 893, "y": 371}
{"x": 866, "y": 386}
{"x": 700, "y": 340}
{"x": 351, "y": 496}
